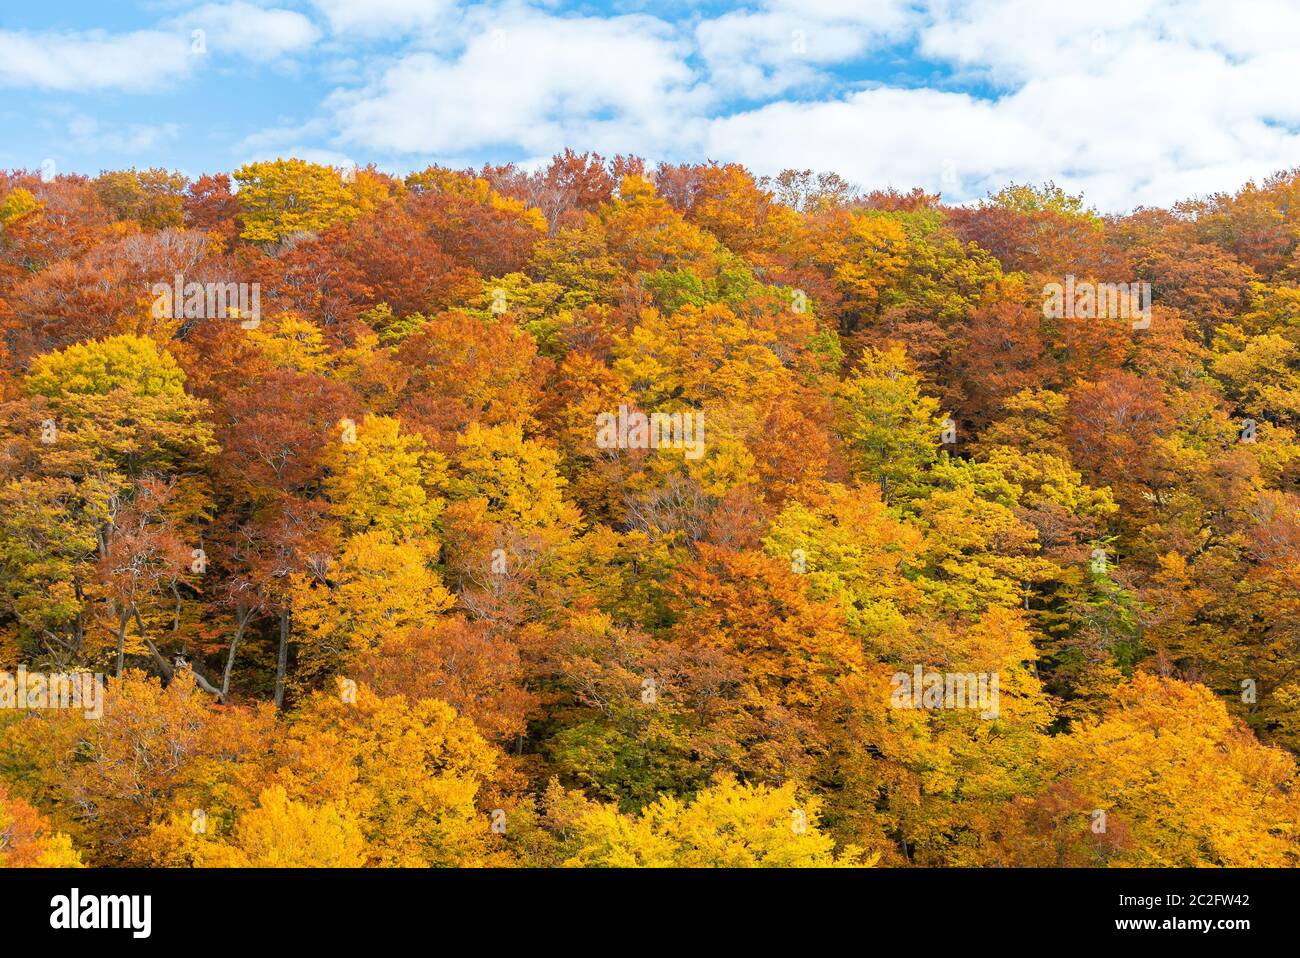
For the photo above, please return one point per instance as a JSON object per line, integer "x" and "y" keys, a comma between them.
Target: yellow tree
{"x": 409, "y": 773}
{"x": 278, "y": 198}
{"x": 111, "y": 416}
{"x": 891, "y": 429}
{"x": 978, "y": 553}
{"x": 282, "y": 833}
{"x": 867, "y": 251}
{"x": 123, "y": 399}
{"x": 926, "y": 780}
{"x": 849, "y": 548}
{"x": 150, "y": 197}
{"x": 1188, "y": 784}
{"x": 518, "y": 478}
{"x": 17, "y": 203}
{"x": 385, "y": 480}
{"x": 378, "y": 586}
{"x": 727, "y": 825}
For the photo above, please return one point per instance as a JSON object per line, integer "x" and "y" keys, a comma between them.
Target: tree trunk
{"x": 122, "y": 619}
{"x": 242, "y": 618}
{"x": 164, "y": 667}
{"x": 283, "y": 662}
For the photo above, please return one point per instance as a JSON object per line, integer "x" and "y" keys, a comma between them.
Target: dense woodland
{"x": 435, "y": 623}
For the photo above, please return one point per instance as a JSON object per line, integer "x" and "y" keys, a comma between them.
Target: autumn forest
{"x": 608, "y": 513}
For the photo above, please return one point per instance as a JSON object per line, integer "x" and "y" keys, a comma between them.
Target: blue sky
{"x": 1131, "y": 102}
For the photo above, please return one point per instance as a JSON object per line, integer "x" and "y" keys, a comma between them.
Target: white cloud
{"x": 146, "y": 61}
{"x": 1051, "y": 40}
{"x": 302, "y": 151}
{"x": 253, "y": 32}
{"x": 785, "y": 44}
{"x": 526, "y": 80}
{"x": 1152, "y": 129}
{"x": 1131, "y": 101}
{"x": 878, "y": 138}
{"x": 374, "y": 18}
{"x": 93, "y": 60}
{"x": 1011, "y": 41}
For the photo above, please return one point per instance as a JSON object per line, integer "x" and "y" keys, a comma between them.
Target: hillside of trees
{"x": 365, "y": 589}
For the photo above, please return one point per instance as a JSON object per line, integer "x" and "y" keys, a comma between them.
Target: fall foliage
{"x": 889, "y": 563}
